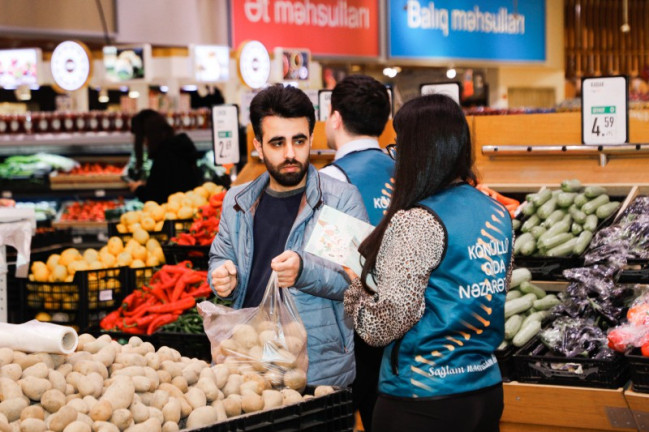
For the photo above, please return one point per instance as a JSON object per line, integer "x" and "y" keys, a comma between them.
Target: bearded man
{"x": 265, "y": 225}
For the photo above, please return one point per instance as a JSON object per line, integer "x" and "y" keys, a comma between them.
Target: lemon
{"x": 152, "y": 261}
{"x": 43, "y": 316}
{"x": 90, "y": 255}
{"x": 148, "y": 223}
{"x": 124, "y": 259}
{"x": 152, "y": 244}
{"x": 137, "y": 263}
{"x": 139, "y": 253}
{"x": 52, "y": 261}
{"x": 185, "y": 212}
{"x": 115, "y": 245}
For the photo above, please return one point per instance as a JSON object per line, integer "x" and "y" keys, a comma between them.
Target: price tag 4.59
{"x": 225, "y": 124}
{"x": 604, "y": 111}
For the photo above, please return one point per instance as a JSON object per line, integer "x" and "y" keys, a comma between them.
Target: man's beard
{"x": 287, "y": 179}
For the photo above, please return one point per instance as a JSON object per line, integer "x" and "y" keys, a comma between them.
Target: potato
{"x": 120, "y": 392}
{"x": 180, "y": 382}
{"x": 152, "y": 375}
{"x": 25, "y": 360}
{"x": 160, "y": 399}
{"x": 244, "y": 335}
{"x": 171, "y": 411}
{"x": 307, "y": 397}
{"x": 57, "y": 379}
{"x": 155, "y": 413}
{"x": 91, "y": 385}
{"x": 10, "y": 389}
{"x": 90, "y": 402}
{"x": 33, "y": 425}
{"x": 152, "y": 360}
{"x": 69, "y": 389}
{"x": 170, "y": 427}
{"x": 294, "y": 344}
{"x": 130, "y": 359}
{"x": 4, "y": 425}
{"x": 6, "y": 356}
{"x": 84, "y": 338}
{"x": 63, "y": 417}
{"x": 151, "y": 425}
{"x": 103, "y": 426}
{"x": 79, "y": 405}
{"x": 95, "y": 346}
{"x": 106, "y": 355}
{"x": 251, "y": 402}
{"x": 168, "y": 353}
{"x": 190, "y": 375}
{"x": 267, "y": 336}
{"x": 131, "y": 371}
{"x": 163, "y": 376}
{"x": 250, "y": 386}
{"x": 53, "y": 400}
{"x": 220, "y": 410}
{"x": 34, "y": 387}
{"x": 233, "y": 385}
{"x": 72, "y": 396}
{"x": 275, "y": 377}
{"x": 77, "y": 426}
{"x": 266, "y": 325}
{"x": 272, "y": 399}
{"x": 323, "y": 390}
{"x": 295, "y": 379}
{"x": 228, "y": 347}
{"x": 102, "y": 411}
{"x": 209, "y": 388}
{"x": 64, "y": 369}
{"x": 33, "y": 411}
{"x": 139, "y": 411}
{"x": 142, "y": 384}
{"x": 122, "y": 418}
{"x": 78, "y": 356}
{"x": 221, "y": 373}
{"x": 85, "y": 419}
{"x": 233, "y": 363}
{"x": 255, "y": 355}
{"x": 86, "y": 367}
{"x": 232, "y": 405}
{"x": 285, "y": 359}
{"x": 175, "y": 369}
{"x": 39, "y": 370}
{"x": 12, "y": 371}
{"x": 296, "y": 329}
{"x": 196, "y": 397}
{"x": 203, "y": 416}
{"x": 290, "y": 396}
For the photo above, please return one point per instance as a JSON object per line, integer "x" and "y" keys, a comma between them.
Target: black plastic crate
{"x": 139, "y": 276}
{"x": 639, "y": 368}
{"x": 198, "y": 255}
{"x": 331, "y": 413}
{"x": 535, "y": 363}
{"x": 505, "y": 359}
{"x": 82, "y": 303}
{"x": 187, "y": 344}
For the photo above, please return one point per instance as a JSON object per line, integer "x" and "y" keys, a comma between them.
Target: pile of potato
{"x": 107, "y": 387}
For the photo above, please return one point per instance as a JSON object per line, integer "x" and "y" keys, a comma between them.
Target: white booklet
{"x": 336, "y": 237}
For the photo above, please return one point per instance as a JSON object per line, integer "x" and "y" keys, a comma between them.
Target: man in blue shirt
{"x": 360, "y": 107}
{"x": 266, "y": 223}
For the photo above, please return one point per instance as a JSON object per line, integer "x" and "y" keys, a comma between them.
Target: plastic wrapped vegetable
{"x": 574, "y": 337}
{"x": 634, "y": 333}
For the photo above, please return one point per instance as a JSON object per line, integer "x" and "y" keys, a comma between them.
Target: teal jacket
{"x": 320, "y": 287}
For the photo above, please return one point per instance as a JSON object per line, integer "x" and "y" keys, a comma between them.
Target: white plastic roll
{"x": 36, "y": 336}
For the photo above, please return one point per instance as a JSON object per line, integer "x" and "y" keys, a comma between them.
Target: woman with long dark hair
{"x": 441, "y": 261}
{"x": 174, "y": 157}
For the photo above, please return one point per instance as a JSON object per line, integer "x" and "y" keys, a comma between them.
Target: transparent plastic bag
{"x": 268, "y": 341}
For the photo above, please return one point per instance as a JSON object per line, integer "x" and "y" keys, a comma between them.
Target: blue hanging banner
{"x": 498, "y": 30}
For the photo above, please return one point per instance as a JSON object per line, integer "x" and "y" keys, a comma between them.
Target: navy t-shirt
{"x": 274, "y": 218}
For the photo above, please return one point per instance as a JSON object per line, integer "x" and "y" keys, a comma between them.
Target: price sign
{"x": 451, "y": 90}
{"x": 225, "y": 132}
{"x": 604, "y": 111}
{"x": 324, "y": 104}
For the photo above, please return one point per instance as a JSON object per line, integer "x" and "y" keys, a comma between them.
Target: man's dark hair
{"x": 280, "y": 101}
{"x": 153, "y": 126}
{"x": 363, "y": 103}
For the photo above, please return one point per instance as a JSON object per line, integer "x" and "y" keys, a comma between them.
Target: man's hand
{"x": 224, "y": 278}
{"x": 287, "y": 266}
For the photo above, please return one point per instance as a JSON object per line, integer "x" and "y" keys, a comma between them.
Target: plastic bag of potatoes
{"x": 269, "y": 339}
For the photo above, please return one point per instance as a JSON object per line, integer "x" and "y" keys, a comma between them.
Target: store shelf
{"x": 639, "y": 405}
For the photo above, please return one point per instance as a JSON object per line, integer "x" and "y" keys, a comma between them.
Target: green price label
{"x": 225, "y": 134}
{"x": 602, "y": 110}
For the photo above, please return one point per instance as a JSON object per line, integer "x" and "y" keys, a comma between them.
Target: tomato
{"x": 639, "y": 314}
{"x": 645, "y": 350}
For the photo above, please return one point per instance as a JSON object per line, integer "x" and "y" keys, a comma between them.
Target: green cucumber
{"x": 580, "y": 200}
{"x": 582, "y": 242}
{"x": 565, "y": 199}
{"x": 541, "y": 197}
{"x": 607, "y": 209}
{"x": 572, "y": 185}
{"x": 519, "y": 305}
{"x": 594, "y": 191}
{"x": 538, "y": 231}
{"x": 576, "y": 229}
{"x": 591, "y": 206}
{"x": 519, "y": 276}
{"x": 563, "y": 249}
{"x": 538, "y": 316}
{"x": 528, "y": 209}
{"x": 516, "y": 224}
{"x": 554, "y": 217}
{"x": 512, "y": 326}
{"x": 530, "y": 288}
{"x": 550, "y": 242}
{"x": 558, "y": 228}
{"x": 533, "y": 221}
{"x": 590, "y": 224}
{"x": 547, "y": 302}
{"x": 526, "y": 333}
{"x": 578, "y": 215}
{"x": 513, "y": 294}
{"x": 528, "y": 248}
{"x": 521, "y": 240}
{"x": 547, "y": 208}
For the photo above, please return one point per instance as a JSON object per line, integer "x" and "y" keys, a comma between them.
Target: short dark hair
{"x": 433, "y": 150}
{"x": 363, "y": 103}
{"x": 280, "y": 101}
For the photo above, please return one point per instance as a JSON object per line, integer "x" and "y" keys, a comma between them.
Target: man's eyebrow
{"x": 276, "y": 139}
{"x": 299, "y": 136}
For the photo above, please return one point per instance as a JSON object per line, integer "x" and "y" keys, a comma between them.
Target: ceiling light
{"x": 390, "y": 72}
{"x": 134, "y": 94}
{"x": 451, "y": 73}
{"x": 189, "y": 88}
{"x": 164, "y": 89}
{"x": 103, "y": 96}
